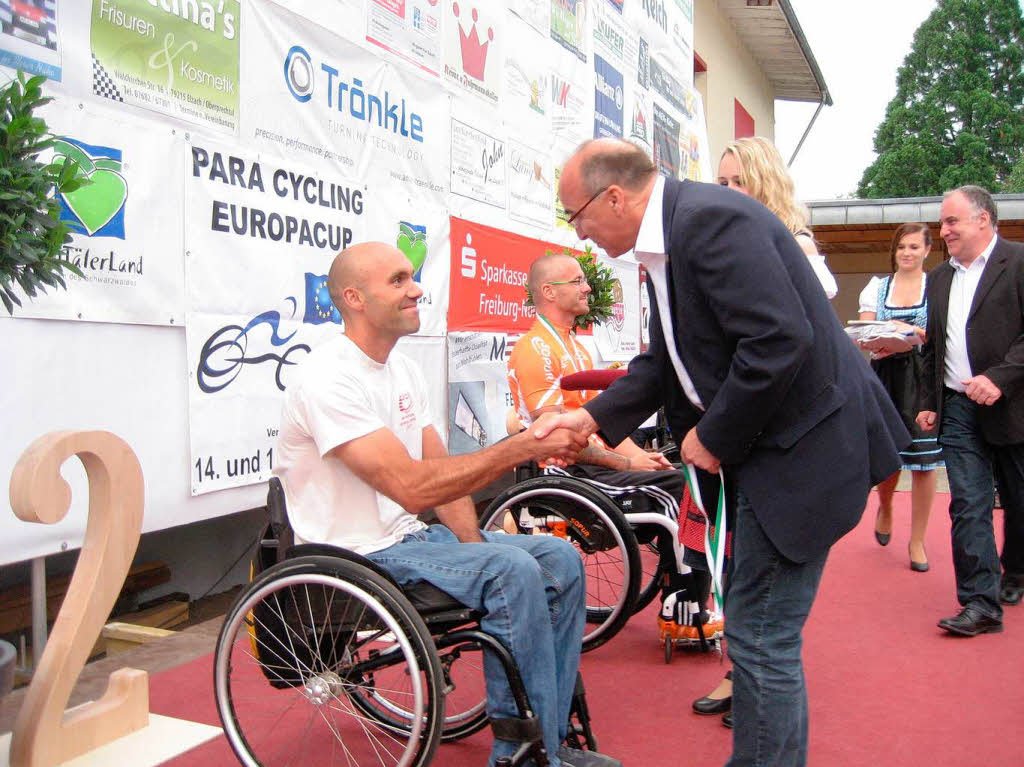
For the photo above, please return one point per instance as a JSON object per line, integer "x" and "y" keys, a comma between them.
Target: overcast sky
{"x": 858, "y": 46}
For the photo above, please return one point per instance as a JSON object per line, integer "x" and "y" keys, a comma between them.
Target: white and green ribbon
{"x": 714, "y": 545}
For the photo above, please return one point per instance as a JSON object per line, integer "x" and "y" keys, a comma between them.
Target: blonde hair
{"x": 767, "y": 180}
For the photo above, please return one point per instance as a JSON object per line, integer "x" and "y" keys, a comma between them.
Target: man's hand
{"x": 559, "y": 446}
{"x": 982, "y": 390}
{"x": 693, "y": 451}
{"x": 578, "y": 420}
{"x": 926, "y": 419}
{"x": 649, "y": 462}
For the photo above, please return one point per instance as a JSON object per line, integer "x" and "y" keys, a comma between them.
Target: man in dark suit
{"x": 973, "y": 373}
{"x": 757, "y": 376}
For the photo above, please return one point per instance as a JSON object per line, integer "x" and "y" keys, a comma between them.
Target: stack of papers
{"x": 881, "y": 337}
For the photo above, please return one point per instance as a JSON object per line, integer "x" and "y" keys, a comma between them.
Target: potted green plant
{"x": 31, "y": 233}
{"x": 601, "y": 280}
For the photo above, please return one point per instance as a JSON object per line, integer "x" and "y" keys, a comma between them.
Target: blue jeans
{"x": 970, "y": 462}
{"x": 532, "y": 589}
{"x": 767, "y": 602}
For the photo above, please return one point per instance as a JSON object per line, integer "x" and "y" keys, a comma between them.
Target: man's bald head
{"x": 352, "y": 267}
{"x": 544, "y": 269}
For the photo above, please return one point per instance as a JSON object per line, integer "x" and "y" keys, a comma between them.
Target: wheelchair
{"x": 324, "y": 659}
{"x": 631, "y": 551}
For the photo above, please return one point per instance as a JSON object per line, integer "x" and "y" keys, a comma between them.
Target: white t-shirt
{"x": 336, "y": 395}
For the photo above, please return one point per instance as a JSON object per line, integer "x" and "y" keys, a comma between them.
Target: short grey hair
{"x": 622, "y": 163}
{"x": 980, "y": 199}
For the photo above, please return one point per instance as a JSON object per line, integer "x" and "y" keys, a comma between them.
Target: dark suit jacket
{"x": 793, "y": 411}
{"x": 995, "y": 340}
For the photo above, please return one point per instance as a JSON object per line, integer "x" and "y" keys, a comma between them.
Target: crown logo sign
{"x": 474, "y": 52}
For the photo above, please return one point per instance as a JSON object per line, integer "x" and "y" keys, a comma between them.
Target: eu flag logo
{"x": 319, "y": 308}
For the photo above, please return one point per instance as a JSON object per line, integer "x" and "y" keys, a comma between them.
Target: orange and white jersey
{"x": 539, "y": 360}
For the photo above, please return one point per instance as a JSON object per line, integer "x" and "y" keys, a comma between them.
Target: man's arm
{"x": 459, "y": 516}
{"x": 627, "y": 455}
{"x": 381, "y": 460}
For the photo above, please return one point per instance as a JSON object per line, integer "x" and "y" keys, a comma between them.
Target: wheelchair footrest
{"x": 518, "y": 729}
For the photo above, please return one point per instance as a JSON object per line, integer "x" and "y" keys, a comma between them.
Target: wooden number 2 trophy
{"x": 44, "y": 733}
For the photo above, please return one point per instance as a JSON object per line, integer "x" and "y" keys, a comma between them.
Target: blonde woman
{"x": 754, "y": 167}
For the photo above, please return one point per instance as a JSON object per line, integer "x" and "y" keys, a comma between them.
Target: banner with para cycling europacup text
{"x": 260, "y": 238}
{"x": 488, "y": 277}
{"x": 315, "y": 96}
{"x": 179, "y": 59}
{"x": 125, "y": 223}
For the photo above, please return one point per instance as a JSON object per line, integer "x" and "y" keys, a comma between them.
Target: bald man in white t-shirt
{"x": 360, "y": 458}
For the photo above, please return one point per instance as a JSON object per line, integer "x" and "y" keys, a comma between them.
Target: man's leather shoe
{"x": 971, "y": 622}
{"x": 1012, "y": 591}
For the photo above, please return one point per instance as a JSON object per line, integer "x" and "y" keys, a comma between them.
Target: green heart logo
{"x": 413, "y": 243}
{"x": 97, "y": 202}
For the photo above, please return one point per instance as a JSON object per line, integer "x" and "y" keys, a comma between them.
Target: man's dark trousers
{"x": 970, "y": 464}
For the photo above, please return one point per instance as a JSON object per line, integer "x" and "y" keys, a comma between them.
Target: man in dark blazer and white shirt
{"x": 972, "y": 389}
{"x": 757, "y": 376}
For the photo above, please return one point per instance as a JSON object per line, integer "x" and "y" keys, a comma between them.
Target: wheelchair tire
{"x": 599, "y": 531}
{"x": 323, "y": 661}
{"x": 466, "y": 697}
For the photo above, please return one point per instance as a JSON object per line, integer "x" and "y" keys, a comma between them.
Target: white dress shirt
{"x": 961, "y": 296}
{"x": 650, "y": 251}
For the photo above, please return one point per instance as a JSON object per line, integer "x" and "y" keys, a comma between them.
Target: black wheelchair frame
{"x": 344, "y": 655}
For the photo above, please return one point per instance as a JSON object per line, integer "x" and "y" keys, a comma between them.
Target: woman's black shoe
{"x": 727, "y": 720}
{"x": 708, "y": 706}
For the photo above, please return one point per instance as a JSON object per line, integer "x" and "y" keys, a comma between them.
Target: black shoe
{"x": 882, "y": 538}
{"x": 918, "y": 567}
{"x": 971, "y": 622}
{"x": 708, "y": 706}
{"x": 727, "y": 720}
{"x": 1012, "y": 591}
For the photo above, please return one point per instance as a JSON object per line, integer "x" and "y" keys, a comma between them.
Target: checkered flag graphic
{"x": 102, "y": 83}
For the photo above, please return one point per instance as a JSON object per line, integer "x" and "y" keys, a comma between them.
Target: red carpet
{"x": 886, "y": 686}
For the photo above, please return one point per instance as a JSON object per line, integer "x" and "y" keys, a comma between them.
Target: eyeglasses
{"x": 579, "y": 282}
{"x": 577, "y": 214}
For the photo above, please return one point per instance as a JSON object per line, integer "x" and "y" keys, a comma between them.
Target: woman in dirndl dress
{"x": 900, "y": 297}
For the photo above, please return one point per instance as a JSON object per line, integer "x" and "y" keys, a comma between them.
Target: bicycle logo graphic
{"x": 223, "y": 355}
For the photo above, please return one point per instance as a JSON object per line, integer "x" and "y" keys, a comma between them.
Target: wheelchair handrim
{"x": 244, "y": 609}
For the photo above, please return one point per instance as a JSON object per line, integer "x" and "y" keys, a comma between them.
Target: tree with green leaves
{"x": 958, "y": 114}
{"x": 31, "y": 232}
{"x": 1015, "y": 181}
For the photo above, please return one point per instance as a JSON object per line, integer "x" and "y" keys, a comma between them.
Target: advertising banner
{"x": 536, "y": 13}
{"x": 28, "y": 38}
{"x": 526, "y": 102}
{"x": 478, "y": 393}
{"x": 179, "y": 59}
{"x": 569, "y": 26}
{"x": 666, "y": 142}
{"x": 474, "y": 40}
{"x": 408, "y": 29}
{"x": 608, "y": 99}
{"x": 572, "y": 100}
{"x": 531, "y": 187}
{"x": 313, "y": 95}
{"x": 478, "y": 165}
{"x": 260, "y": 238}
{"x": 125, "y": 224}
{"x": 618, "y": 337}
{"x": 488, "y": 277}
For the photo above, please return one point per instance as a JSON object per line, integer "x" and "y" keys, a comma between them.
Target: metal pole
{"x": 810, "y": 125}
{"x": 38, "y": 609}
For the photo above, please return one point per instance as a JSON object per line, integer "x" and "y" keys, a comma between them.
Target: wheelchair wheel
{"x": 465, "y": 702}
{"x": 323, "y": 661}
{"x": 591, "y": 521}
